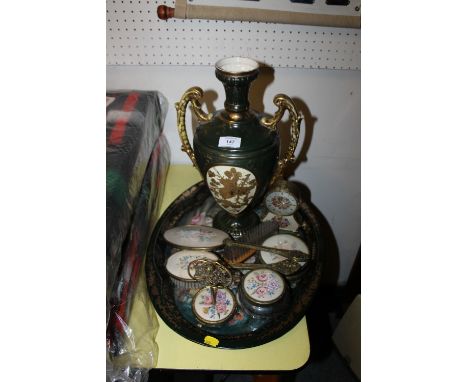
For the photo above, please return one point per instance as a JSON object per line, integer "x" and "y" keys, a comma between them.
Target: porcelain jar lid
{"x": 263, "y": 286}
{"x": 212, "y": 314}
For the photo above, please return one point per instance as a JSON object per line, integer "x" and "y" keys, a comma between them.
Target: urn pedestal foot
{"x": 236, "y": 226}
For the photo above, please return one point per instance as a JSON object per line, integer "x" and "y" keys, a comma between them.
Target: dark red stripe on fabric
{"x": 118, "y": 131}
{"x": 124, "y": 300}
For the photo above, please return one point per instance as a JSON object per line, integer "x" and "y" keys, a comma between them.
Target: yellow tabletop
{"x": 288, "y": 352}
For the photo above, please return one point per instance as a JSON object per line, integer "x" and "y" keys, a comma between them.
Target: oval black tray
{"x": 252, "y": 332}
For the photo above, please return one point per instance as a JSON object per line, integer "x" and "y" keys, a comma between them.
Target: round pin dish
{"x": 177, "y": 265}
{"x": 282, "y": 241}
{"x": 214, "y": 314}
{"x": 285, "y": 241}
{"x": 263, "y": 292}
{"x": 195, "y": 237}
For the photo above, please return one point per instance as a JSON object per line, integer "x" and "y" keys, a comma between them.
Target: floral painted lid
{"x": 195, "y": 236}
{"x": 177, "y": 264}
{"x": 208, "y": 313}
{"x": 263, "y": 286}
{"x": 287, "y": 223}
{"x": 282, "y": 241}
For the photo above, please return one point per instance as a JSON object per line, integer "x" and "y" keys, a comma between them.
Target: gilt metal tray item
{"x": 173, "y": 302}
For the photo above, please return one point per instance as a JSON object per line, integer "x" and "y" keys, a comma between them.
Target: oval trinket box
{"x": 195, "y": 237}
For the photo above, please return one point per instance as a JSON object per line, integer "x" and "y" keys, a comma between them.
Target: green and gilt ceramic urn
{"x": 237, "y": 150}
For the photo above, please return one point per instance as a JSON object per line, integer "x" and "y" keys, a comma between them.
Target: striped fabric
{"x": 137, "y": 159}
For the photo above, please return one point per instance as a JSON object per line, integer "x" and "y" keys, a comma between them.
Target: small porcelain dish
{"x": 263, "y": 293}
{"x": 285, "y": 241}
{"x": 214, "y": 314}
{"x": 195, "y": 237}
{"x": 177, "y": 265}
{"x": 282, "y": 241}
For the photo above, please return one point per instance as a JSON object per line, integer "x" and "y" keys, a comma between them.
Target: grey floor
{"x": 332, "y": 368}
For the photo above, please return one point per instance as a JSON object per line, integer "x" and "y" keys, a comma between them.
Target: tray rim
{"x": 248, "y": 340}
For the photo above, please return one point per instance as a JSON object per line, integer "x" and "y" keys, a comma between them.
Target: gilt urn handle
{"x": 192, "y": 96}
{"x": 283, "y": 102}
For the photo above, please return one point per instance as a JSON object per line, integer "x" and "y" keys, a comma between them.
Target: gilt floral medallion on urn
{"x": 236, "y": 149}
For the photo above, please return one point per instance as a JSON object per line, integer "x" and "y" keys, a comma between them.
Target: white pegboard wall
{"x": 353, "y": 8}
{"x": 135, "y": 36}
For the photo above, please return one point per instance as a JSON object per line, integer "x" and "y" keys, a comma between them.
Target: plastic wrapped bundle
{"x": 138, "y": 159}
{"x": 134, "y": 123}
{"x": 135, "y": 246}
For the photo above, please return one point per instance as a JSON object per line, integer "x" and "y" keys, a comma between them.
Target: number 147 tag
{"x": 234, "y": 142}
